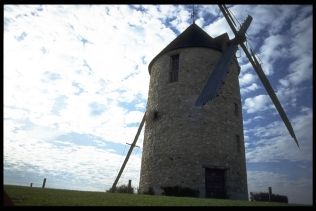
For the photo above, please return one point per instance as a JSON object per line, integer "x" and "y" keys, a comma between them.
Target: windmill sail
{"x": 273, "y": 97}
{"x": 231, "y": 18}
{"x": 129, "y": 153}
{"x": 257, "y": 67}
{"x": 217, "y": 78}
{"x": 220, "y": 71}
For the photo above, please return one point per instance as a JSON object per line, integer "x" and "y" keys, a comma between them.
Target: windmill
{"x": 217, "y": 78}
{"x": 208, "y": 93}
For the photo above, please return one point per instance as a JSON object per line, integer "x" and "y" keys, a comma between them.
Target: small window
{"x": 174, "y": 70}
{"x": 236, "y": 109}
{"x": 155, "y": 115}
{"x": 238, "y": 144}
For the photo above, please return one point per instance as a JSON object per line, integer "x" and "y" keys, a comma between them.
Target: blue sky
{"x": 76, "y": 84}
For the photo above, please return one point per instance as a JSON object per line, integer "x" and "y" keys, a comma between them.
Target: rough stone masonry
{"x": 186, "y": 145}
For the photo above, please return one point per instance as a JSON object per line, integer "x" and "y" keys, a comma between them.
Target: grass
{"x": 27, "y": 196}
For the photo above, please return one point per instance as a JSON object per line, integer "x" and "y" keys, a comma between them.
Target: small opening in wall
{"x": 155, "y": 115}
{"x": 174, "y": 69}
{"x": 236, "y": 109}
{"x": 238, "y": 143}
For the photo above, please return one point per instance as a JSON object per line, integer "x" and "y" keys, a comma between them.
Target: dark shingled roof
{"x": 193, "y": 36}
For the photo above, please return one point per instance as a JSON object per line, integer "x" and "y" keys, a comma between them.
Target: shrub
{"x": 179, "y": 191}
{"x": 122, "y": 189}
{"x": 150, "y": 191}
{"x": 262, "y": 196}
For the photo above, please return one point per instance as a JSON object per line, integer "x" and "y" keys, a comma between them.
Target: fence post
{"x": 270, "y": 193}
{"x": 31, "y": 185}
{"x": 44, "y": 182}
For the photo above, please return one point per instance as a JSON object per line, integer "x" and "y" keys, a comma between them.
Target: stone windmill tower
{"x": 201, "y": 148}
{"x": 194, "y": 129}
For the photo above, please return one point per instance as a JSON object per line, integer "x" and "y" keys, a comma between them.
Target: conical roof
{"x": 193, "y": 36}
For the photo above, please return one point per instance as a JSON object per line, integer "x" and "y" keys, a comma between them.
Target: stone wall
{"x": 181, "y": 139}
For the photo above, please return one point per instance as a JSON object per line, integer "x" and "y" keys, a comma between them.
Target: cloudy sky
{"x": 76, "y": 84}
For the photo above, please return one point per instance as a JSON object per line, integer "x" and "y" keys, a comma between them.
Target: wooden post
{"x": 31, "y": 185}
{"x": 129, "y": 184}
{"x": 44, "y": 182}
{"x": 128, "y": 154}
{"x": 270, "y": 193}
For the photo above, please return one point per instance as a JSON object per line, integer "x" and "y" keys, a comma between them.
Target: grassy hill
{"x": 27, "y": 196}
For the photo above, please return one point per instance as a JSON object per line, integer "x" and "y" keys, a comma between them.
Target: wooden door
{"x": 215, "y": 183}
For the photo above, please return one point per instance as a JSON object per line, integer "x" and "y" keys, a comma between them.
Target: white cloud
{"x": 244, "y": 63}
{"x": 273, "y": 141}
{"x": 258, "y": 117}
{"x": 134, "y": 117}
{"x": 274, "y": 17}
{"x": 38, "y": 152}
{"x": 288, "y": 95}
{"x": 182, "y": 17}
{"x": 273, "y": 48}
{"x": 246, "y": 122}
{"x": 110, "y": 68}
{"x": 248, "y": 89}
{"x": 251, "y": 120}
{"x": 246, "y": 79}
{"x": 107, "y": 57}
{"x": 284, "y": 83}
{"x": 218, "y": 27}
{"x": 257, "y": 103}
{"x": 301, "y": 69}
